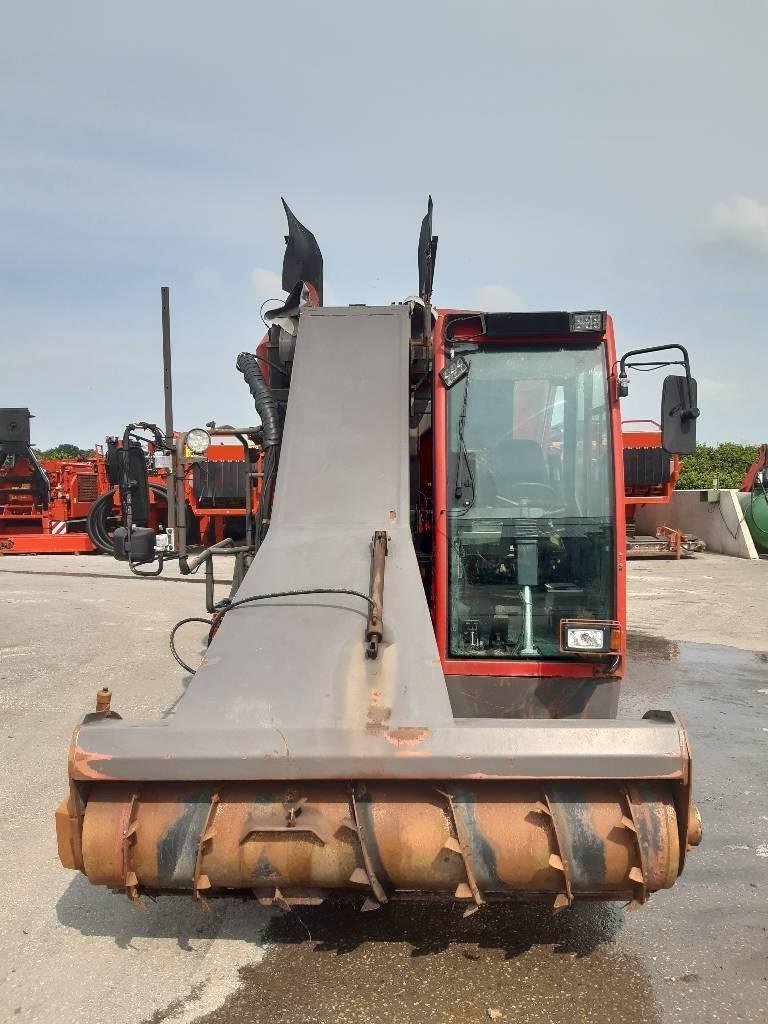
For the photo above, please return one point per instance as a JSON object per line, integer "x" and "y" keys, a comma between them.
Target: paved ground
{"x": 72, "y": 953}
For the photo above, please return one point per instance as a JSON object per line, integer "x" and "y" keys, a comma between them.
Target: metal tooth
{"x": 556, "y": 859}
{"x": 199, "y": 880}
{"x": 275, "y": 900}
{"x": 306, "y": 897}
{"x": 370, "y": 904}
{"x": 370, "y": 875}
{"x": 129, "y": 839}
{"x": 460, "y": 844}
{"x": 637, "y": 871}
{"x": 359, "y": 877}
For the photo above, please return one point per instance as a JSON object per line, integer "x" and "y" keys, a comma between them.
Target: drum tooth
{"x": 280, "y": 901}
{"x": 369, "y": 874}
{"x": 557, "y": 859}
{"x": 201, "y": 881}
{"x": 370, "y": 904}
{"x": 131, "y": 881}
{"x": 459, "y": 843}
{"x": 637, "y": 871}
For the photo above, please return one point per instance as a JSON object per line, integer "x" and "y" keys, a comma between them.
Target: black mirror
{"x": 679, "y": 412}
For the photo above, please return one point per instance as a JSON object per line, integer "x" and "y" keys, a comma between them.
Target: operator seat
{"x": 518, "y": 461}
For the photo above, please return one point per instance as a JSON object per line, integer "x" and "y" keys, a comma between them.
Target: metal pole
{"x": 168, "y": 393}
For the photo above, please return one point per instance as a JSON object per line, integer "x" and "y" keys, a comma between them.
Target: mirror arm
{"x": 690, "y": 411}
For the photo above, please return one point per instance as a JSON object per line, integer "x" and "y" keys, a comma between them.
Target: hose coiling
{"x": 266, "y": 406}
{"x": 100, "y": 513}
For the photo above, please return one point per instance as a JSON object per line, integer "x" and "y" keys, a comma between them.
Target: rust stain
{"x": 81, "y": 765}
{"x": 377, "y": 719}
{"x": 406, "y": 735}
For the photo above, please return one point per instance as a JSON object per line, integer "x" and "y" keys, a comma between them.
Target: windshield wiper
{"x": 462, "y": 453}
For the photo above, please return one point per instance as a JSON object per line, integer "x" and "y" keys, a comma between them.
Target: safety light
{"x": 590, "y": 637}
{"x": 594, "y": 320}
{"x": 454, "y": 371}
{"x": 198, "y": 440}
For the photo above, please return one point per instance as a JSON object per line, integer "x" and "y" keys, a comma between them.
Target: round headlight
{"x": 198, "y": 440}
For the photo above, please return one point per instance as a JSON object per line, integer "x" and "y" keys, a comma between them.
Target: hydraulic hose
{"x": 97, "y": 522}
{"x": 266, "y": 406}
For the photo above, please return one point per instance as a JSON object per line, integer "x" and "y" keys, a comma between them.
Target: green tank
{"x": 756, "y": 515}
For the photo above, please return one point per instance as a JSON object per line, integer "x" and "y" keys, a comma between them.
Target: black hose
{"x": 266, "y": 405}
{"x": 174, "y": 652}
{"x": 215, "y": 622}
{"x": 97, "y": 522}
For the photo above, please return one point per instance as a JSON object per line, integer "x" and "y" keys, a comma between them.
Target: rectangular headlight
{"x": 589, "y": 637}
{"x": 594, "y": 320}
{"x": 582, "y": 639}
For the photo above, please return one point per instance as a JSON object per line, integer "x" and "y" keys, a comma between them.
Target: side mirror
{"x": 679, "y": 412}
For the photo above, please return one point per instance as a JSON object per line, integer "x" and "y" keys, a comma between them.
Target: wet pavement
{"x": 698, "y": 952}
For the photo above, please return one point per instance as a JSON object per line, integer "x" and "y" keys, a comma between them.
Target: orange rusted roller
{"x": 477, "y": 840}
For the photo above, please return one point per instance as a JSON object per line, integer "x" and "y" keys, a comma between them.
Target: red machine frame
{"x": 29, "y": 528}
{"x": 648, "y": 439}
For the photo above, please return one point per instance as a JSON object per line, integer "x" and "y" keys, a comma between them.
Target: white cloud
{"x": 267, "y": 284}
{"x": 742, "y": 221}
{"x": 498, "y": 298}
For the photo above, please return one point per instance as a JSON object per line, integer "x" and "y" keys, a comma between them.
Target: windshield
{"x": 530, "y": 498}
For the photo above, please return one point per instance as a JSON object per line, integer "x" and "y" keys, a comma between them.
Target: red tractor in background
{"x": 44, "y": 503}
{"x": 650, "y": 476}
{"x": 72, "y": 506}
{"x": 212, "y": 481}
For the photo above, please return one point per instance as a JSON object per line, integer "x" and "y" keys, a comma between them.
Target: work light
{"x": 198, "y": 440}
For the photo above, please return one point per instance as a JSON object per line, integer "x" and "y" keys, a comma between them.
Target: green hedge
{"x": 728, "y": 462}
{"x": 63, "y": 452}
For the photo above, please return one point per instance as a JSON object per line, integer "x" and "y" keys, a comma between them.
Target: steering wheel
{"x": 551, "y": 493}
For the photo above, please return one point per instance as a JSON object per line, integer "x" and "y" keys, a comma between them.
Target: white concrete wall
{"x": 721, "y": 526}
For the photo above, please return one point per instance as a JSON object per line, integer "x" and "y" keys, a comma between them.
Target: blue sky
{"x": 608, "y": 155}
